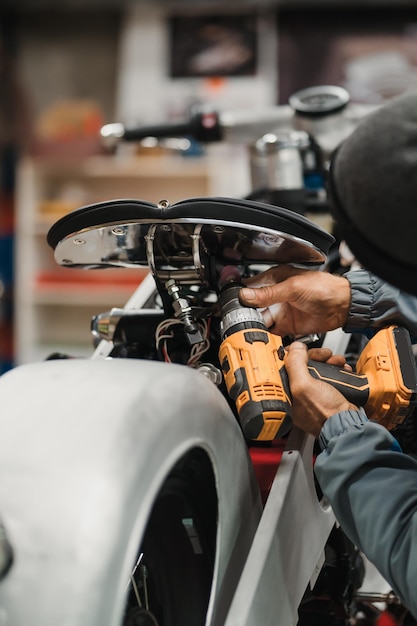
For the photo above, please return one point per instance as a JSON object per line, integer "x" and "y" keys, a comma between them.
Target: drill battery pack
{"x": 389, "y": 364}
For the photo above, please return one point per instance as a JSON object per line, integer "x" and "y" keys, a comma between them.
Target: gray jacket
{"x": 375, "y": 304}
{"x": 370, "y": 483}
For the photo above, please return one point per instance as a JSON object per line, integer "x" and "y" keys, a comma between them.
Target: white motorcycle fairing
{"x": 85, "y": 447}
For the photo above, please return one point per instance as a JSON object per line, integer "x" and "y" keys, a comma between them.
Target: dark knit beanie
{"x": 373, "y": 191}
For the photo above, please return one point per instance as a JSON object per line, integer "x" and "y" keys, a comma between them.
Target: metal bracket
{"x": 286, "y": 553}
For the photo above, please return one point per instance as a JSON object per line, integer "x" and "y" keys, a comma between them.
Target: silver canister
{"x": 276, "y": 160}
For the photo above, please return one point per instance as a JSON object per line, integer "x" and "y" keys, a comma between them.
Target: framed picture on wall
{"x": 215, "y": 45}
{"x": 370, "y": 52}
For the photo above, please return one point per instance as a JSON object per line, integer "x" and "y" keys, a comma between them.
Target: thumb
{"x": 296, "y": 365}
{"x": 261, "y": 296}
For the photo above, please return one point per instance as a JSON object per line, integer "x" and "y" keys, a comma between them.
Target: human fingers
{"x": 273, "y": 286}
{"x": 313, "y": 401}
{"x": 325, "y": 355}
{"x": 319, "y": 354}
{"x": 310, "y": 302}
{"x": 296, "y": 365}
{"x": 272, "y": 275}
{"x": 339, "y": 361}
{"x": 271, "y": 314}
{"x": 263, "y": 296}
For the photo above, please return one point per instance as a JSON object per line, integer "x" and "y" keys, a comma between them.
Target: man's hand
{"x": 313, "y": 401}
{"x": 308, "y": 301}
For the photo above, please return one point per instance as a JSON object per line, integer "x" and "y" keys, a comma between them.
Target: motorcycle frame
{"x": 282, "y": 551}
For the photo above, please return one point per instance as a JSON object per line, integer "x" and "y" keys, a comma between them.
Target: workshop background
{"x": 67, "y": 68}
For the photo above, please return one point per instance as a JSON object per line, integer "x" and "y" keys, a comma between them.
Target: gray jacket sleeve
{"x": 375, "y": 303}
{"x": 372, "y": 488}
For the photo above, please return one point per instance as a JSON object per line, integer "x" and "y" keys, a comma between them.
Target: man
{"x": 370, "y": 483}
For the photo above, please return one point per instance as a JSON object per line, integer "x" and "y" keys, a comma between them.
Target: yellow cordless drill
{"x": 253, "y": 364}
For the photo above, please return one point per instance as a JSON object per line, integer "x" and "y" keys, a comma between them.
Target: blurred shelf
{"x": 53, "y": 305}
{"x": 79, "y": 295}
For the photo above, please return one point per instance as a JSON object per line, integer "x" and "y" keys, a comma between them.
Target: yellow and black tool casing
{"x": 389, "y": 364}
{"x": 252, "y": 360}
{"x": 255, "y": 377}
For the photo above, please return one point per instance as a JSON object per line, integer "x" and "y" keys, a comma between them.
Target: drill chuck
{"x": 235, "y": 316}
{"x": 251, "y": 359}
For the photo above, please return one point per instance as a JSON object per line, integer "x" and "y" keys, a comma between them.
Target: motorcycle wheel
{"x": 100, "y": 458}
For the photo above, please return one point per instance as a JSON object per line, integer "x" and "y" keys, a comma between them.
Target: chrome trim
{"x": 129, "y": 247}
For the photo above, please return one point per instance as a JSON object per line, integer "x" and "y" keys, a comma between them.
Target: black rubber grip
{"x": 355, "y": 387}
{"x": 204, "y": 126}
{"x": 159, "y": 131}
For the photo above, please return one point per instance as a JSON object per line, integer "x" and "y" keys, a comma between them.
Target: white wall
{"x": 145, "y": 92}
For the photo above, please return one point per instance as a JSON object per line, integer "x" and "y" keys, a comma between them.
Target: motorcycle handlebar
{"x": 206, "y": 126}
{"x": 203, "y": 126}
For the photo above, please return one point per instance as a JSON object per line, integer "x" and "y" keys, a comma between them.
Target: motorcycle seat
{"x": 239, "y": 231}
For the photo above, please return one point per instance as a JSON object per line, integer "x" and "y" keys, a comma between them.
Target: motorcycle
{"x": 130, "y": 492}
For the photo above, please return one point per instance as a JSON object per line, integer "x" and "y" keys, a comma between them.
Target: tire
{"x": 177, "y": 555}
{"x": 93, "y": 456}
